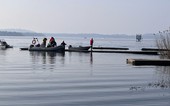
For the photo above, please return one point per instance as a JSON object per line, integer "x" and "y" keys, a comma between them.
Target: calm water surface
{"x": 80, "y": 79}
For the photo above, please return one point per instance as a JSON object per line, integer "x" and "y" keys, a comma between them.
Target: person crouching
{"x": 52, "y": 42}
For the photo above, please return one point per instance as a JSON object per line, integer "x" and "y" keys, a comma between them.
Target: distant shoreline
{"x": 88, "y": 35}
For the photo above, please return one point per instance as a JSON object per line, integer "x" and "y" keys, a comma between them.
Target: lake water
{"x": 81, "y": 79}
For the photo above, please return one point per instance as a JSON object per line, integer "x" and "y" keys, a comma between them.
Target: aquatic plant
{"x": 163, "y": 43}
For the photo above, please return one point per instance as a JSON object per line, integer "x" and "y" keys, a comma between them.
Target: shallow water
{"x": 80, "y": 79}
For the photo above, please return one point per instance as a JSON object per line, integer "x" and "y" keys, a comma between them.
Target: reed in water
{"x": 163, "y": 42}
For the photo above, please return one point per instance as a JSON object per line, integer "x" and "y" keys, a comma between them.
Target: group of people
{"x": 52, "y": 42}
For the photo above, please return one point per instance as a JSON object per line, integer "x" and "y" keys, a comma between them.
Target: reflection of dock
{"x": 157, "y": 62}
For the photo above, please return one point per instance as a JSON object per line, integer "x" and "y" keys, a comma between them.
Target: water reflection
{"x": 91, "y": 62}
{"x": 46, "y": 57}
{"x": 80, "y": 56}
{"x": 3, "y": 52}
{"x": 91, "y": 58}
{"x": 82, "y": 59}
{"x": 163, "y": 77}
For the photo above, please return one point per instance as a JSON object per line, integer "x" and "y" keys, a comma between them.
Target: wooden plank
{"x": 156, "y": 62}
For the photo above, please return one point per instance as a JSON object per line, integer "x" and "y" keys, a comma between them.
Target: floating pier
{"x": 154, "y": 49}
{"x": 67, "y": 50}
{"x": 111, "y": 48}
{"x": 156, "y": 62}
{"x": 116, "y": 51}
{"x": 111, "y": 51}
{"x": 131, "y": 52}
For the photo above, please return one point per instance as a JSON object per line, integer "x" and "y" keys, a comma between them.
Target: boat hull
{"x": 80, "y": 48}
{"x": 48, "y": 49}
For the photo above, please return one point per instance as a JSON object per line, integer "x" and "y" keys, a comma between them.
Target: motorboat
{"x": 4, "y": 45}
{"x": 60, "y": 48}
{"x": 79, "y": 48}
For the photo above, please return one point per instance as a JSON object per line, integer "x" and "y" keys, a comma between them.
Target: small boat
{"x": 60, "y": 48}
{"x": 79, "y": 48}
{"x": 4, "y": 45}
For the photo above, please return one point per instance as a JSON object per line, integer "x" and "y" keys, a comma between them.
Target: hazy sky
{"x": 86, "y": 16}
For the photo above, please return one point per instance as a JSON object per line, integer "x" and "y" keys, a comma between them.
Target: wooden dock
{"x": 130, "y": 52}
{"x": 116, "y": 51}
{"x": 156, "y": 62}
{"x": 101, "y": 48}
{"x": 24, "y": 48}
{"x": 111, "y": 51}
{"x": 154, "y": 49}
{"x": 110, "y": 48}
{"x": 67, "y": 50}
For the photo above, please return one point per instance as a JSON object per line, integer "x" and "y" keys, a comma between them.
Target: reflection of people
{"x": 52, "y": 42}
{"x": 44, "y": 42}
{"x": 91, "y": 43}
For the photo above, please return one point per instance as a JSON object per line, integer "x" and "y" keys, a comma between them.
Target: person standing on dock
{"x": 91, "y": 43}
